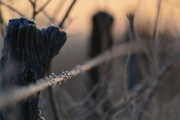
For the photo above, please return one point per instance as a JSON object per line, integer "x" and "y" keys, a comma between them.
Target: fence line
{"x": 13, "y": 96}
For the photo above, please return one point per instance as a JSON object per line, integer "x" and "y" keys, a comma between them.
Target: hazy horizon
{"x": 79, "y": 21}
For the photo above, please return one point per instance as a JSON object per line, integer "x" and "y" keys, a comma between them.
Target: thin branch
{"x": 55, "y": 104}
{"x": 56, "y": 11}
{"x": 155, "y": 39}
{"x": 67, "y": 13}
{"x": 11, "y": 8}
{"x": 35, "y": 12}
{"x": 125, "y": 79}
{"x": 42, "y": 8}
{"x": 21, "y": 93}
{"x": 88, "y": 96}
{"x": 141, "y": 89}
{"x": 34, "y": 8}
{"x": 155, "y": 85}
{"x": 83, "y": 115}
{"x": 51, "y": 19}
{"x": 133, "y": 97}
{"x": 2, "y": 23}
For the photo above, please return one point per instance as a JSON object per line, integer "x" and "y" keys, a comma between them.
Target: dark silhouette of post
{"x": 26, "y": 56}
{"x": 101, "y": 40}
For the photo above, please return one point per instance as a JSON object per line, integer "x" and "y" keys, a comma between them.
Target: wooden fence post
{"x": 101, "y": 40}
{"x": 26, "y": 57}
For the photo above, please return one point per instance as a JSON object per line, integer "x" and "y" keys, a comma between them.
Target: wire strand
{"x": 20, "y": 93}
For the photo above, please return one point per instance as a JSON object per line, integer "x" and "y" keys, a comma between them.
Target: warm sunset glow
{"x": 80, "y": 17}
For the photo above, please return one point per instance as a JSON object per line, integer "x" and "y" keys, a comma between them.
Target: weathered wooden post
{"x": 101, "y": 40}
{"x": 26, "y": 57}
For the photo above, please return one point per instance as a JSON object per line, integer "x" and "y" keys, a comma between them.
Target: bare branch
{"x": 141, "y": 89}
{"x": 155, "y": 85}
{"x": 155, "y": 39}
{"x": 2, "y": 23}
{"x": 133, "y": 97}
{"x": 83, "y": 115}
{"x": 88, "y": 96}
{"x": 67, "y": 13}
{"x": 23, "y": 92}
{"x": 34, "y": 8}
{"x": 35, "y": 12}
{"x": 11, "y": 8}
{"x": 127, "y": 64}
{"x": 42, "y": 8}
{"x": 55, "y": 104}
{"x": 52, "y": 20}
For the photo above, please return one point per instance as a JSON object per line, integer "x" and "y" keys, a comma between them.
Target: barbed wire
{"x": 13, "y": 96}
{"x": 20, "y": 93}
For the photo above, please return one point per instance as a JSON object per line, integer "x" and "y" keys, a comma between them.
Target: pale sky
{"x": 79, "y": 21}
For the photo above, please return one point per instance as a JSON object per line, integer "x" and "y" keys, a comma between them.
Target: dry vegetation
{"x": 153, "y": 56}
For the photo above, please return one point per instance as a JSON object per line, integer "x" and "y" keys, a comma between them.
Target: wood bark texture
{"x": 26, "y": 56}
